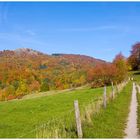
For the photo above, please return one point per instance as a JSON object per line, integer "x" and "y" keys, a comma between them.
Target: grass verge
{"x": 136, "y": 76}
{"x": 138, "y": 112}
{"x": 110, "y": 122}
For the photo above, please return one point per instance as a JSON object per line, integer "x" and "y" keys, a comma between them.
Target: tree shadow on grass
{"x": 136, "y": 73}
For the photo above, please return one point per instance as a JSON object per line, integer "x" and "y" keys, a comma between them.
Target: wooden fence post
{"x": 78, "y": 120}
{"x": 112, "y": 90}
{"x": 117, "y": 90}
{"x": 104, "y": 97}
{"x": 139, "y": 89}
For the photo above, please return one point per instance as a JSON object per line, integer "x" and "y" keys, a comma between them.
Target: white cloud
{"x": 98, "y": 28}
{"x": 17, "y": 38}
{"x": 4, "y": 10}
{"x": 30, "y": 32}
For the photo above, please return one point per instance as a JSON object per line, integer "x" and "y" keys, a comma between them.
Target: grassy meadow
{"x": 53, "y": 115}
{"x": 19, "y": 118}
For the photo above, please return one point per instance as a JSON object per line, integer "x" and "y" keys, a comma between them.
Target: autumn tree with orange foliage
{"x": 121, "y": 67}
{"x": 103, "y": 75}
{"x": 134, "y": 58}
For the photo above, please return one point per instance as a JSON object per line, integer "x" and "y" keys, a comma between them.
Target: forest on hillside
{"x": 26, "y": 71}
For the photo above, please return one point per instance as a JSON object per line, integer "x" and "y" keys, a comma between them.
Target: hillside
{"x": 24, "y": 71}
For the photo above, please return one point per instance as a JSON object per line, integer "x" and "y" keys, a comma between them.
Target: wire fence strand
{"x": 63, "y": 125}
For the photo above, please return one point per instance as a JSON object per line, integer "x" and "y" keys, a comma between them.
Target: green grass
{"x": 20, "y": 118}
{"x": 53, "y": 116}
{"x": 136, "y": 75}
{"x": 110, "y": 122}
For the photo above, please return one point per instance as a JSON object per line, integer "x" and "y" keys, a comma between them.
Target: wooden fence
{"x": 77, "y": 110}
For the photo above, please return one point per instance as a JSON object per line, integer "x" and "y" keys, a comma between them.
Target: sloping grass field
{"x": 53, "y": 115}
{"x": 19, "y": 118}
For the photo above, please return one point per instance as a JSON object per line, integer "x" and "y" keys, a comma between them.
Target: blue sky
{"x": 98, "y": 29}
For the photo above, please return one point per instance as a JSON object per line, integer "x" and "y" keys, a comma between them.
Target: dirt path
{"x": 131, "y": 129}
